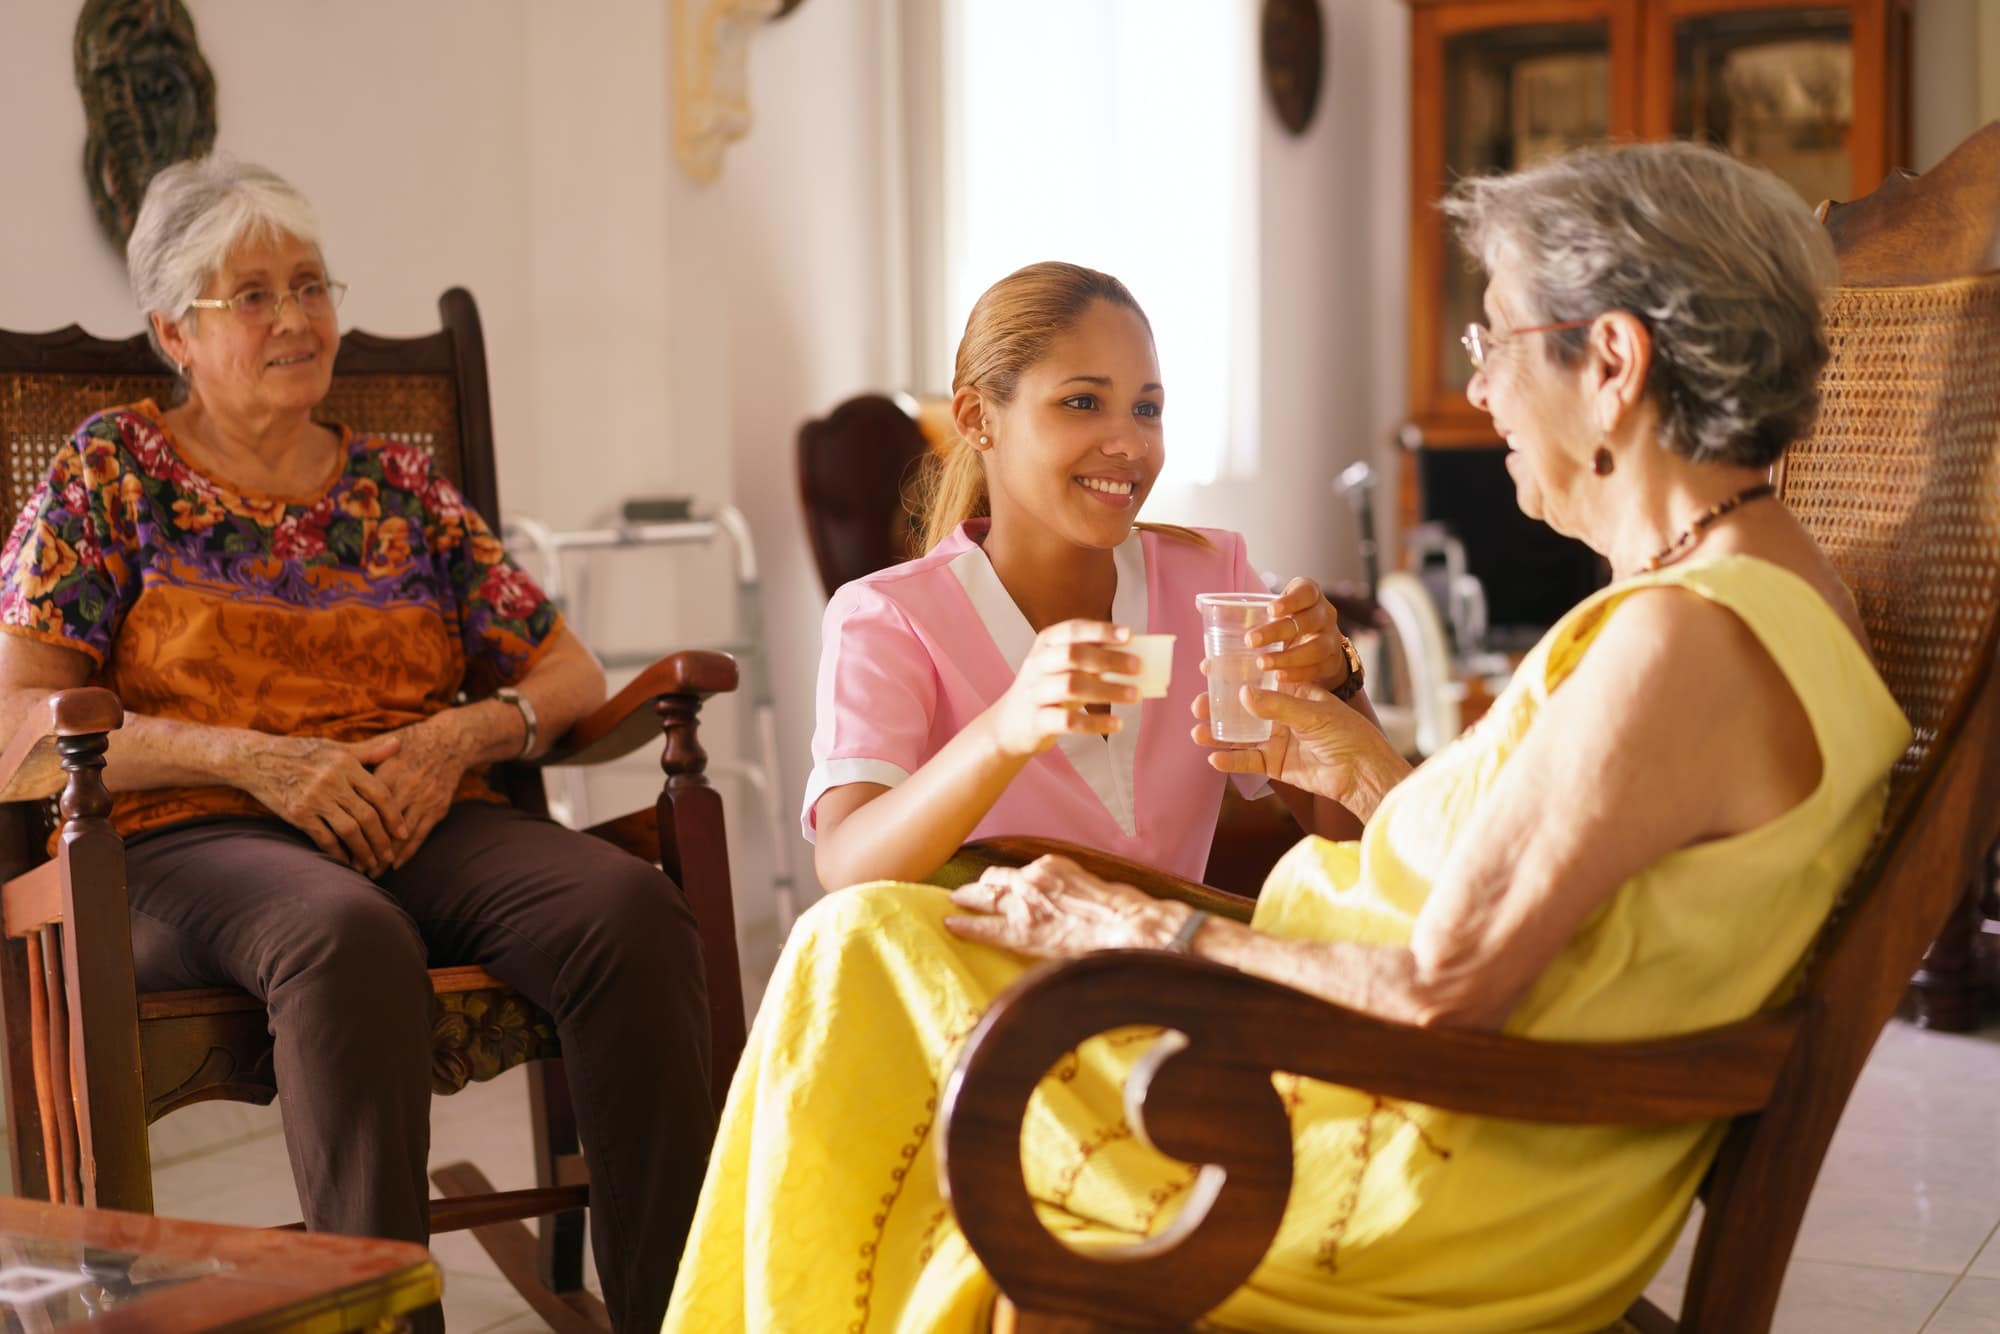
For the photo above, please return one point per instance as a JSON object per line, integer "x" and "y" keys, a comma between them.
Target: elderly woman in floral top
{"x": 290, "y": 614}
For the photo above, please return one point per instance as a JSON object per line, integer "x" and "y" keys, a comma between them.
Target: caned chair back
{"x": 421, "y": 391}
{"x": 1899, "y": 482}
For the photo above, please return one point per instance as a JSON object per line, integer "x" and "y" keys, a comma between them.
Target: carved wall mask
{"x": 148, "y": 100}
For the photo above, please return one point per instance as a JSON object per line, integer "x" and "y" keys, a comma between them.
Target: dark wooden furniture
{"x": 1499, "y": 84}
{"x": 89, "y": 1063}
{"x": 857, "y": 466}
{"x": 135, "y": 1273}
{"x": 1900, "y": 482}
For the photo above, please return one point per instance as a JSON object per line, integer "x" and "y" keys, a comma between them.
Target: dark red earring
{"x": 1603, "y": 463}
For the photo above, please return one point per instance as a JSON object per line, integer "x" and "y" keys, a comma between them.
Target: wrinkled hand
{"x": 1060, "y": 678}
{"x": 422, "y": 777}
{"x": 325, "y": 789}
{"x": 1054, "y": 909}
{"x": 1304, "y": 622}
{"x": 1318, "y": 744}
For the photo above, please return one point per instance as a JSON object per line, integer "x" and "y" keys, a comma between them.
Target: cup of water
{"x": 1225, "y": 618}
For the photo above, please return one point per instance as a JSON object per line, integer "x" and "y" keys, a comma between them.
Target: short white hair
{"x": 194, "y": 214}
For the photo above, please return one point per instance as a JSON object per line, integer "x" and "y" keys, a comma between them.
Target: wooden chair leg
{"x": 546, "y": 1269}
{"x": 44, "y": 1075}
{"x": 61, "y": 1083}
{"x": 28, "y": 1153}
{"x": 692, "y": 810}
{"x": 514, "y": 1250}
{"x": 1949, "y": 988}
{"x": 559, "y": 1263}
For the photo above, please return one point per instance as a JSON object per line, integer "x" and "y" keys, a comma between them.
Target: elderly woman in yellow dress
{"x": 290, "y": 611}
{"x": 1640, "y": 839}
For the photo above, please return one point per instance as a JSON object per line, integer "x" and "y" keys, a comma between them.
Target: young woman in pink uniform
{"x": 963, "y": 695}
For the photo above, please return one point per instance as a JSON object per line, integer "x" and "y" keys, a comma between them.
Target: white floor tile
{"x": 1972, "y": 1308}
{"x": 1988, "y": 1263}
{"x": 473, "y": 1304}
{"x": 1902, "y": 1201}
{"x": 1849, "y": 1299}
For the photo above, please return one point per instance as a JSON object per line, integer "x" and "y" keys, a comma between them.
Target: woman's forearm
{"x": 562, "y": 688}
{"x": 149, "y": 752}
{"x": 908, "y": 831}
{"x": 1380, "y": 980}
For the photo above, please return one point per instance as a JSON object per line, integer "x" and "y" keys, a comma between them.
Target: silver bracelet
{"x": 509, "y": 695}
{"x": 1183, "y": 941}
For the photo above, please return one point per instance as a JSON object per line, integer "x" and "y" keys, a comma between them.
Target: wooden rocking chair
{"x": 1900, "y": 483}
{"x": 89, "y": 1063}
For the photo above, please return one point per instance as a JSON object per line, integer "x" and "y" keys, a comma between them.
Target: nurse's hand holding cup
{"x": 1071, "y": 667}
{"x": 1300, "y": 639}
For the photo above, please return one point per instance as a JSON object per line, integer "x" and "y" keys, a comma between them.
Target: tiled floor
{"x": 1901, "y": 1236}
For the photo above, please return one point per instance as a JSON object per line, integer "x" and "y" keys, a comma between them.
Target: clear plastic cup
{"x": 1225, "y": 618}
{"x": 1156, "y": 664}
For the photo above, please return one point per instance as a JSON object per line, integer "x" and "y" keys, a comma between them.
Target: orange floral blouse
{"x": 342, "y": 615}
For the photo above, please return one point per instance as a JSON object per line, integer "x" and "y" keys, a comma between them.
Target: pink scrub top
{"x": 911, "y": 654}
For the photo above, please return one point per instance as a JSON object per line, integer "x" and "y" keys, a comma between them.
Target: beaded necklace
{"x": 1692, "y": 533}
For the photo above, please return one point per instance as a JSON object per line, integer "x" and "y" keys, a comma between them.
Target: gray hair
{"x": 197, "y": 212}
{"x": 1723, "y": 263}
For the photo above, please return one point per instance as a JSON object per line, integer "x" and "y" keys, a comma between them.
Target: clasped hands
{"x": 372, "y": 803}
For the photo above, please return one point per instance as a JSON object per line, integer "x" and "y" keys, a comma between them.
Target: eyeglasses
{"x": 1480, "y": 341}
{"x": 318, "y": 298}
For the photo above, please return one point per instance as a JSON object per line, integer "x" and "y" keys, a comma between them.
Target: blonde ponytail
{"x": 948, "y": 489}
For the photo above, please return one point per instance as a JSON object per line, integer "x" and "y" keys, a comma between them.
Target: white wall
{"x": 1333, "y": 244}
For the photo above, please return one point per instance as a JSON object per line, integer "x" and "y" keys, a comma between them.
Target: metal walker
{"x": 569, "y": 586}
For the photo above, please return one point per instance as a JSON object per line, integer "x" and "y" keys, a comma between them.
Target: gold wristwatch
{"x": 1351, "y": 687}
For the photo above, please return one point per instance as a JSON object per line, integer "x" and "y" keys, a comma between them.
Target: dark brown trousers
{"x": 602, "y": 941}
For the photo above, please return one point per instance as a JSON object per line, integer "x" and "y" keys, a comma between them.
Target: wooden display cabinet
{"x": 1814, "y": 89}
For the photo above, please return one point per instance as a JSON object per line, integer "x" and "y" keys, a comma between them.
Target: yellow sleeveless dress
{"x": 822, "y": 1209}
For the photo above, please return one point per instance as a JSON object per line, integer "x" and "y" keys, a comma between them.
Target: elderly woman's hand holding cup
{"x": 1279, "y": 673}
{"x": 1314, "y": 742}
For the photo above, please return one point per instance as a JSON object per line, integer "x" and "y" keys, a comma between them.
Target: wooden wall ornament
{"x": 711, "y": 45}
{"x": 148, "y": 101}
{"x": 1294, "y": 45}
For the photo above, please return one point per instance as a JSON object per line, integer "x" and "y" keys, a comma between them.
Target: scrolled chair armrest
{"x": 629, "y": 719}
{"x": 31, "y": 766}
{"x": 1203, "y": 1094}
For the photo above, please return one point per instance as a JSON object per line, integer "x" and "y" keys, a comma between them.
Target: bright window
{"x": 1119, "y": 134}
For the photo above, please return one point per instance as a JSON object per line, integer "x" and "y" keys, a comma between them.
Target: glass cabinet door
{"x": 1511, "y": 97}
{"x": 1774, "y": 87}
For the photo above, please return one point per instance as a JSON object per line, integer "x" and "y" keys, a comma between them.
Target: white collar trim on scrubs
{"x": 1107, "y": 769}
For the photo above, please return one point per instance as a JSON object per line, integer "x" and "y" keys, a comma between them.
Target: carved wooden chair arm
{"x": 30, "y": 767}
{"x": 1012, "y": 851}
{"x": 629, "y": 719}
{"x": 1204, "y": 1095}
